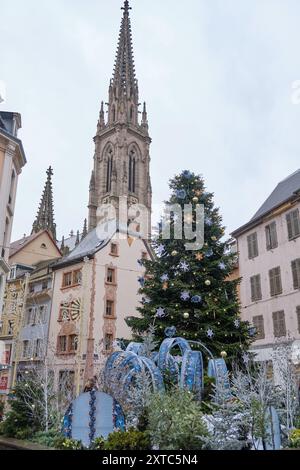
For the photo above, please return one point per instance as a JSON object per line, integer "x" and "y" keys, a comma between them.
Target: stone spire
{"x": 123, "y": 91}
{"x": 122, "y": 141}
{"x": 45, "y": 216}
{"x": 84, "y": 231}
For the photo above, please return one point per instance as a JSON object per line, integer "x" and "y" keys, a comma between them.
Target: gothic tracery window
{"x": 109, "y": 170}
{"x": 132, "y": 172}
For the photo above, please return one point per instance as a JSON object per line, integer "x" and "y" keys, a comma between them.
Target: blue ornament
{"x": 146, "y": 300}
{"x": 141, "y": 280}
{"x": 181, "y": 193}
{"x": 164, "y": 278}
{"x": 222, "y": 266}
{"x": 170, "y": 331}
{"x": 187, "y": 174}
{"x": 252, "y": 331}
{"x": 185, "y": 295}
{"x": 140, "y": 262}
{"x": 208, "y": 221}
{"x": 196, "y": 299}
{"x": 209, "y": 253}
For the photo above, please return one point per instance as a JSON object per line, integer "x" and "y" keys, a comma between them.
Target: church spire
{"x": 45, "y": 216}
{"x": 124, "y": 70}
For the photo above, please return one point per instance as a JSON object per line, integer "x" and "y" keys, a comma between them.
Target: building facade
{"x": 269, "y": 265}
{"x": 30, "y": 256}
{"x": 95, "y": 289}
{"x": 12, "y": 160}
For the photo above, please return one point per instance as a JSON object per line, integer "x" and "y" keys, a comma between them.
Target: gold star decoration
{"x": 165, "y": 286}
{"x": 199, "y": 256}
{"x": 198, "y": 192}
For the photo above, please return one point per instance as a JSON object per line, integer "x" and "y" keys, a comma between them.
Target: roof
{"x": 286, "y": 190}
{"x": 94, "y": 241}
{"x": 10, "y": 123}
{"x": 18, "y": 245}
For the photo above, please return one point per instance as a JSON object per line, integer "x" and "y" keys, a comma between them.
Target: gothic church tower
{"x": 122, "y": 142}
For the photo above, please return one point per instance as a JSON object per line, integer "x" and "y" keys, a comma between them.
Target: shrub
{"x": 62, "y": 443}
{"x": 98, "y": 444}
{"x": 294, "y": 439}
{"x": 47, "y": 439}
{"x": 128, "y": 440}
{"x": 175, "y": 421}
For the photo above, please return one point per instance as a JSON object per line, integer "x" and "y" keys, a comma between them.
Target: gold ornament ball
{"x": 186, "y": 315}
{"x": 207, "y": 282}
{"x": 195, "y": 199}
{"x": 174, "y": 253}
{"x": 224, "y": 354}
{"x": 214, "y": 238}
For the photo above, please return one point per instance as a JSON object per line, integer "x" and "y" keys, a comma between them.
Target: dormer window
{"x": 114, "y": 249}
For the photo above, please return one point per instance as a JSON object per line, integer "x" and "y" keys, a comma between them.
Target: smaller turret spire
{"x": 84, "y": 231}
{"x": 101, "y": 122}
{"x": 45, "y": 216}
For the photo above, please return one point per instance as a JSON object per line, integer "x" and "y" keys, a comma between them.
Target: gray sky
{"x": 216, "y": 74}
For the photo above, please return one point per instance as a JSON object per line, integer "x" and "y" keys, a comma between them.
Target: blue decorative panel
{"x": 92, "y": 415}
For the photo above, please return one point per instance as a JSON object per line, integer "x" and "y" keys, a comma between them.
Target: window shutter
{"x": 272, "y": 282}
{"x": 296, "y": 222}
{"x": 296, "y": 273}
{"x": 289, "y": 225}
{"x": 298, "y": 317}
{"x": 258, "y": 322}
{"x": 252, "y": 245}
{"x": 273, "y": 235}
{"x": 279, "y": 324}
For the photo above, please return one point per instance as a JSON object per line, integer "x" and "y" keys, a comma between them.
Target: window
{"x": 73, "y": 343}
{"x": 26, "y": 349}
{"x": 29, "y": 316}
{"x": 279, "y": 324}
{"x": 66, "y": 383}
{"x": 275, "y": 281}
{"x": 45, "y": 284}
{"x": 10, "y": 329}
{"x": 293, "y": 224}
{"x": 114, "y": 249}
{"x": 31, "y": 288}
{"x": 271, "y": 236}
{"x": 110, "y": 276}
{"x": 108, "y": 341}
{"x": 37, "y": 348}
{"x": 67, "y": 280}
{"x": 255, "y": 288}
{"x": 44, "y": 246}
{"x": 62, "y": 344}
{"x": 296, "y": 273}
{"x": 252, "y": 245}
{"x": 298, "y": 317}
{"x": 132, "y": 172}
{"x": 109, "y": 170}
{"x": 109, "y": 310}
{"x": 258, "y": 322}
{"x": 72, "y": 278}
{"x": 77, "y": 277}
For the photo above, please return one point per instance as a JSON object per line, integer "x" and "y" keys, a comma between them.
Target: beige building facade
{"x": 269, "y": 265}
{"x": 94, "y": 289}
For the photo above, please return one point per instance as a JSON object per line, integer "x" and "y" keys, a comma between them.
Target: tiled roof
{"x": 283, "y": 191}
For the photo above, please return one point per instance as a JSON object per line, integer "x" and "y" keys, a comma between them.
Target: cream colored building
{"x": 12, "y": 160}
{"x": 269, "y": 265}
{"x": 94, "y": 289}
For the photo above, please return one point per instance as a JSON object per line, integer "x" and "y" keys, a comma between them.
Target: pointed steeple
{"x": 124, "y": 70}
{"x": 77, "y": 241}
{"x": 45, "y": 216}
{"x": 84, "y": 231}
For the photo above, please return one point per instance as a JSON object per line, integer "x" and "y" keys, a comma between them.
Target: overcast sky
{"x": 217, "y": 76}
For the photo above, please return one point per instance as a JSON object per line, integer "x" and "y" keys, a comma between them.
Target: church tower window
{"x": 132, "y": 172}
{"x": 109, "y": 171}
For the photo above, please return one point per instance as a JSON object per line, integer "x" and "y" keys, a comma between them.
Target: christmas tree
{"x": 187, "y": 292}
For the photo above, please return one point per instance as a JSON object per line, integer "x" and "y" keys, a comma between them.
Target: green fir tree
{"x": 190, "y": 289}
